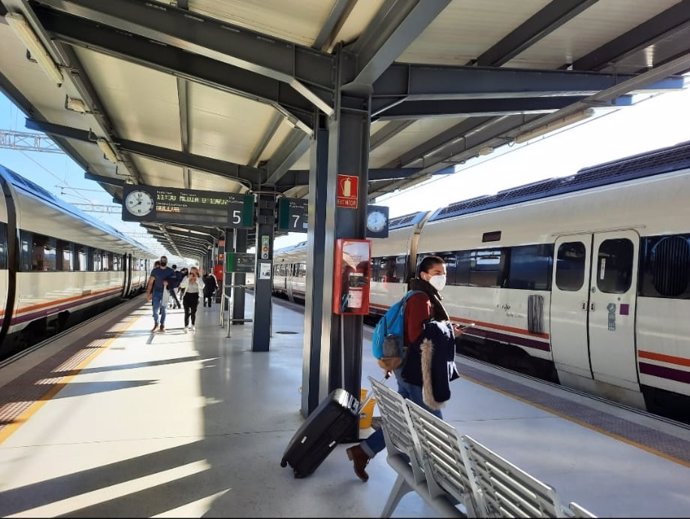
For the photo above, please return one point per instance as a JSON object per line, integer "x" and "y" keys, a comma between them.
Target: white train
{"x": 57, "y": 264}
{"x": 583, "y": 280}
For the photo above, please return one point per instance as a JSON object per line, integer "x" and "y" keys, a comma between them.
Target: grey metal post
{"x": 239, "y": 279}
{"x": 317, "y": 303}
{"x": 265, "y": 224}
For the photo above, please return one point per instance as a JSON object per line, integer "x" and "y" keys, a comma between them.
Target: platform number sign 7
{"x": 241, "y": 212}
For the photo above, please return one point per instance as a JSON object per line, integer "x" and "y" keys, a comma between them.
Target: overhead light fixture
{"x": 24, "y": 32}
{"x": 76, "y": 105}
{"x": 486, "y": 150}
{"x": 107, "y": 150}
{"x": 555, "y": 125}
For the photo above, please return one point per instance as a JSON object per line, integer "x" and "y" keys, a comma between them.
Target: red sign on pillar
{"x": 346, "y": 194}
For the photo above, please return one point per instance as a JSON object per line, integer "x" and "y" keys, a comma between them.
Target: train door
{"x": 569, "y": 304}
{"x": 127, "y": 271}
{"x": 613, "y": 296}
{"x": 593, "y": 306}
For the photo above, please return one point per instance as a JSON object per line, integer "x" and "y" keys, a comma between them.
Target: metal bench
{"x": 575, "y": 510}
{"x": 444, "y": 460}
{"x": 404, "y": 455}
{"x": 508, "y": 491}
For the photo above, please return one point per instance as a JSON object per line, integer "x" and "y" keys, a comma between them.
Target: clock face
{"x": 139, "y": 203}
{"x": 376, "y": 221}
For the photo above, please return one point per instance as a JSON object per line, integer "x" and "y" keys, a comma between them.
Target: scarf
{"x": 439, "y": 312}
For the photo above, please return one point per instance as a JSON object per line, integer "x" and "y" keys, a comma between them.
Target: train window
{"x": 25, "y": 239}
{"x": 64, "y": 256}
{"x": 400, "y": 268}
{"x": 106, "y": 260}
{"x": 487, "y": 267}
{"x": 97, "y": 261}
{"x": 43, "y": 253}
{"x": 666, "y": 267}
{"x": 570, "y": 266}
{"x": 451, "y": 266}
{"x": 3, "y": 245}
{"x": 462, "y": 268}
{"x": 118, "y": 264}
{"x": 82, "y": 257}
{"x": 530, "y": 267}
{"x": 614, "y": 266}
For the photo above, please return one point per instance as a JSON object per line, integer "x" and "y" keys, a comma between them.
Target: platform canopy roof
{"x": 223, "y": 95}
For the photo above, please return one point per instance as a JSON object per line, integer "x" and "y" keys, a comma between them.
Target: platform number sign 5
{"x": 241, "y": 212}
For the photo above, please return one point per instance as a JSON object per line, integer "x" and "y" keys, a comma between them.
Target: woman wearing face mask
{"x": 420, "y": 307}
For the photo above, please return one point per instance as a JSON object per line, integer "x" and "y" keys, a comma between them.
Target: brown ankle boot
{"x": 360, "y": 460}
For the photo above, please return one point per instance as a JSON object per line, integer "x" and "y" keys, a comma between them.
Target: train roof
{"x": 39, "y": 192}
{"x": 656, "y": 162}
{"x": 407, "y": 220}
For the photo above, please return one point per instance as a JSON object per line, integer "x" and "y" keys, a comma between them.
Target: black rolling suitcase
{"x": 321, "y": 431}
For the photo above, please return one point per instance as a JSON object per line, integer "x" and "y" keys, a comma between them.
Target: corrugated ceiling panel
{"x": 420, "y": 131}
{"x": 467, "y": 28}
{"x": 142, "y": 103}
{"x": 592, "y": 28}
{"x": 225, "y": 126}
{"x": 297, "y": 22}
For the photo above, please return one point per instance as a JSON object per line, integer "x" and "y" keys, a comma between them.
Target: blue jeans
{"x": 158, "y": 306}
{"x": 376, "y": 442}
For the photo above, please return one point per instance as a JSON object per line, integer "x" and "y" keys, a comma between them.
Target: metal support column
{"x": 265, "y": 224}
{"x": 239, "y": 279}
{"x": 317, "y": 301}
{"x": 335, "y": 342}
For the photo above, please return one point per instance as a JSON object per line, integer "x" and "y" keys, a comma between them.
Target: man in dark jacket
{"x": 419, "y": 309}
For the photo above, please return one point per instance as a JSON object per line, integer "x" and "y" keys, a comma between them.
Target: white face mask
{"x": 438, "y": 282}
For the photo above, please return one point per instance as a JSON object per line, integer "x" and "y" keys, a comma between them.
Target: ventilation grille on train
{"x": 647, "y": 164}
{"x": 405, "y": 221}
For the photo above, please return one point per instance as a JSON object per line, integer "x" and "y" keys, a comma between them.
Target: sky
{"x": 656, "y": 122}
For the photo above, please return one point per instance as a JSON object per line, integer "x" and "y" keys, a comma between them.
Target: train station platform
{"x": 111, "y": 420}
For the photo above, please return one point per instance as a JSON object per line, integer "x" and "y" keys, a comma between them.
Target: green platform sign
{"x": 240, "y": 262}
{"x": 292, "y": 215}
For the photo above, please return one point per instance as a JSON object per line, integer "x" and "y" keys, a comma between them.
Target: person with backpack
{"x": 210, "y": 286}
{"x": 421, "y": 307}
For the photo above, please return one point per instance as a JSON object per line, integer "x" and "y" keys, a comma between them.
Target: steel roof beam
{"x": 412, "y": 82}
{"x": 277, "y": 59}
{"x": 644, "y": 35}
{"x": 243, "y": 174}
{"x": 172, "y": 60}
{"x": 300, "y": 177}
{"x": 396, "y": 25}
{"x": 541, "y": 24}
{"x": 481, "y": 107}
{"x": 336, "y": 19}
{"x": 293, "y": 147}
{"x": 386, "y": 133}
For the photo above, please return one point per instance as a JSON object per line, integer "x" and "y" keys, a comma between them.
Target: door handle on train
{"x": 592, "y": 307}
{"x": 584, "y": 305}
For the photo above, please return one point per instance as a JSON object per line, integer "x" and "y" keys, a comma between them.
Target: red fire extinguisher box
{"x": 351, "y": 276}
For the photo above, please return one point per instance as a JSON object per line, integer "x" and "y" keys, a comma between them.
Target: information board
{"x": 187, "y": 206}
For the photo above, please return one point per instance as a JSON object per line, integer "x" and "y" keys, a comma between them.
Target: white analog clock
{"x": 376, "y": 220}
{"x": 139, "y": 203}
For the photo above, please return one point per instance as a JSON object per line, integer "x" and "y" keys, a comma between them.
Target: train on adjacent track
{"x": 583, "y": 280}
{"x": 57, "y": 264}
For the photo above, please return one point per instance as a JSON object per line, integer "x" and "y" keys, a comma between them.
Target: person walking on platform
{"x": 210, "y": 288}
{"x": 420, "y": 307}
{"x": 173, "y": 283}
{"x": 192, "y": 285}
{"x": 155, "y": 288}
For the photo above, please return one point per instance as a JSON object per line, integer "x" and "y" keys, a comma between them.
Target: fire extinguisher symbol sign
{"x": 346, "y": 195}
